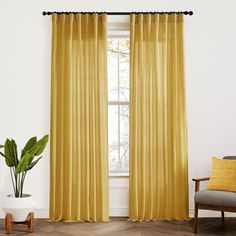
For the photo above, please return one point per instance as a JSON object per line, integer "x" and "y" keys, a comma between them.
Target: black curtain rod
{"x": 47, "y": 13}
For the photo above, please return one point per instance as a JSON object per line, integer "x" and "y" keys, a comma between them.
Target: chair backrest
{"x": 229, "y": 157}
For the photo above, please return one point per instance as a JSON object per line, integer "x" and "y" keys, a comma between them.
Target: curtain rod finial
{"x": 44, "y": 13}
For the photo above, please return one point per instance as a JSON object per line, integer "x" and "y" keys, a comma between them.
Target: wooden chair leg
{"x": 31, "y": 222}
{"x": 8, "y": 223}
{"x": 195, "y": 218}
{"x": 223, "y": 216}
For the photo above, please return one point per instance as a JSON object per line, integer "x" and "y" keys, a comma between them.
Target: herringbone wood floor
{"x": 122, "y": 227}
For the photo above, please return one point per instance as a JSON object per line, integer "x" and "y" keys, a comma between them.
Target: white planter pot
{"x": 18, "y": 207}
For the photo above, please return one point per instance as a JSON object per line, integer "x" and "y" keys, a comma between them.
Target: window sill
{"x": 118, "y": 175}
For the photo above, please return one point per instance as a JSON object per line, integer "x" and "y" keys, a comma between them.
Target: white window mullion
{"x": 118, "y": 103}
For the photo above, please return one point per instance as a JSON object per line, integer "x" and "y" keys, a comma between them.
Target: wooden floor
{"x": 122, "y": 227}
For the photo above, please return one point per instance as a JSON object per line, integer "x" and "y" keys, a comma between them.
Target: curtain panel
{"x": 79, "y": 143}
{"x": 158, "y": 135}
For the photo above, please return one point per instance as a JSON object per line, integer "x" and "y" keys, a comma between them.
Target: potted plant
{"x": 20, "y": 204}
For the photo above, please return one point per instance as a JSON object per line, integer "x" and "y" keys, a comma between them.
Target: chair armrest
{"x": 197, "y": 182}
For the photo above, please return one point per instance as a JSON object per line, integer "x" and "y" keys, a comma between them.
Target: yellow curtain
{"x": 158, "y": 136}
{"x": 79, "y": 145}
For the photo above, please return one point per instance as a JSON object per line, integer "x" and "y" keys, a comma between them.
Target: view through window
{"x": 118, "y": 104}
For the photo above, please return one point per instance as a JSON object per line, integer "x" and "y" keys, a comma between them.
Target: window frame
{"x": 118, "y": 34}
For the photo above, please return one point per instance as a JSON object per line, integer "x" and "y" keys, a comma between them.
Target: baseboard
{"x": 116, "y": 211}
{"x": 123, "y": 212}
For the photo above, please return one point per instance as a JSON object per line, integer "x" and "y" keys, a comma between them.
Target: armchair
{"x": 213, "y": 199}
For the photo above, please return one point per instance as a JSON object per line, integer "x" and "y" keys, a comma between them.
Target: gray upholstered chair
{"x": 213, "y": 199}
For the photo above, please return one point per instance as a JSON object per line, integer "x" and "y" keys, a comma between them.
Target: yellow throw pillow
{"x": 223, "y": 176}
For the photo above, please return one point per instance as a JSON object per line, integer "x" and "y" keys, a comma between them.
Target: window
{"x": 118, "y": 104}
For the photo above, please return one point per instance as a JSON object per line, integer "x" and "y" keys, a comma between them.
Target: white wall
{"x": 25, "y": 40}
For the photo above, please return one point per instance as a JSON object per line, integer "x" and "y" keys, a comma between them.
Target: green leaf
{"x": 32, "y": 148}
{"x": 35, "y": 149}
{"x": 33, "y": 164}
{"x": 1, "y": 146}
{"x": 29, "y": 145}
{"x": 9, "y": 153}
{"x": 31, "y": 158}
{"x": 14, "y": 149}
{"x": 41, "y": 144}
{"x": 24, "y": 162}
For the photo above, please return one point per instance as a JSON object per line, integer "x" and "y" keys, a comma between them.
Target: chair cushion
{"x": 223, "y": 175}
{"x": 214, "y": 197}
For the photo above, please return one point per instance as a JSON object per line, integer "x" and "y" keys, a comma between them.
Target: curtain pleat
{"x": 158, "y": 132}
{"x": 79, "y": 145}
